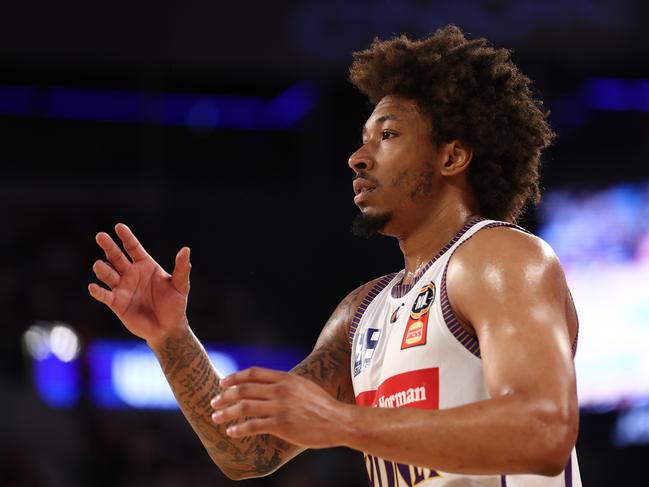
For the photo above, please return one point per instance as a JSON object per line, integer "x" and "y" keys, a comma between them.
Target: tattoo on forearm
{"x": 194, "y": 383}
{"x": 324, "y": 363}
{"x": 328, "y": 366}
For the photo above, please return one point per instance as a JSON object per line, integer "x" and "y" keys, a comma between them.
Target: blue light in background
{"x": 291, "y": 105}
{"x": 137, "y": 380}
{"x": 197, "y": 111}
{"x": 504, "y": 23}
{"x": 600, "y": 94}
{"x": 57, "y": 382}
{"x": 602, "y": 238}
{"x": 104, "y": 106}
{"x": 203, "y": 112}
{"x": 617, "y": 94}
{"x": 126, "y": 374}
{"x": 16, "y": 100}
{"x": 631, "y": 428}
{"x": 211, "y": 111}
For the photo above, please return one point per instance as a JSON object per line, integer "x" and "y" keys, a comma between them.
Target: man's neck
{"x": 427, "y": 239}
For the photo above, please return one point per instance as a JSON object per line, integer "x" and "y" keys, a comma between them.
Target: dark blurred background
{"x": 227, "y": 126}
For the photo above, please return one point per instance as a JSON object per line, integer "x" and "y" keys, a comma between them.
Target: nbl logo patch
{"x": 417, "y": 326}
{"x": 424, "y": 299}
{"x": 367, "y": 343}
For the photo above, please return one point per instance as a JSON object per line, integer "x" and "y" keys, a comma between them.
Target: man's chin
{"x": 367, "y": 225}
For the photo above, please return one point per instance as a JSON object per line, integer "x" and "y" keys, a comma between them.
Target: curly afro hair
{"x": 474, "y": 93}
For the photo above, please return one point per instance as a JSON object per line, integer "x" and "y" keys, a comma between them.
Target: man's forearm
{"x": 509, "y": 434}
{"x": 194, "y": 382}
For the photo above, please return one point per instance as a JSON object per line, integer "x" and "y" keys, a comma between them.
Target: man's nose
{"x": 360, "y": 161}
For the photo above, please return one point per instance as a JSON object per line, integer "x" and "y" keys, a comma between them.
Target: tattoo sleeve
{"x": 194, "y": 382}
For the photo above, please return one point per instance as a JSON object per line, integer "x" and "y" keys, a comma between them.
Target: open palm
{"x": 149, "y": 301}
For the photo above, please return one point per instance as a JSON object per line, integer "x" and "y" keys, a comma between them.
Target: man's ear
{"x": 458, "y": 158}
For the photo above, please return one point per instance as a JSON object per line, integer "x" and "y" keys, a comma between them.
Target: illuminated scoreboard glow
{"x": 602, "y": 239}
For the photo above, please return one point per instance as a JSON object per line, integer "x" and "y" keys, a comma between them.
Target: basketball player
{"x": 456, "y": 371}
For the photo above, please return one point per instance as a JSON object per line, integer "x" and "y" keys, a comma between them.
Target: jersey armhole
{"x": 451, "y": 320}
{"x": 575, "y": 341}
{"x": 360, "y": 310}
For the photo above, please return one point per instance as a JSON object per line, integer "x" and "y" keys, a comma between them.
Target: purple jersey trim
{"x": 454, "y": 325}
{"x": 576, "y": 340}
{"x": 374, "y": 292}
{"x": 567, "y": 475}
{"x": 568, "y": 472}
{"x": 400, "y": 290}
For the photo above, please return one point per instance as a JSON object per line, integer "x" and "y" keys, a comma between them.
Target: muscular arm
{"x": 151, "y": 303}
{"x": 515, "y": 300}
{"x": 195, "y": 382}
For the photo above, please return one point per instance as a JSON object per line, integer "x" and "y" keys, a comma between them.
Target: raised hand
{"x": 149, "y": 301}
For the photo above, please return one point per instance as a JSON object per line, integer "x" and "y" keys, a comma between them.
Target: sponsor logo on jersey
{"x": 417, "y": 388}
{"x": 415, "y": 334}
{"x": 403, "y": 398}
{"x": 366, "y": 345}
{"x": 417, "y": 326}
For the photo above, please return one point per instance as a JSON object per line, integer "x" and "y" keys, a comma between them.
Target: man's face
{"x": 395, "y": 168}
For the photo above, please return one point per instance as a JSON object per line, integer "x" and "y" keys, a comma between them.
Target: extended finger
{"x": 113, "y": 253}
{"x": 180, "y": 275}
{"x": 253, "y": 374}
{"x": 236, "y": 393}
{"x": 250, "y": 427}
{"x": 243, "y": 409}
{"x": 131, "y": 243}
{"x": 100, "y": 294}
{"x": 106, "y": 273}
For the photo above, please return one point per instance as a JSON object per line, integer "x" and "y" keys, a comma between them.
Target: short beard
{"x": 421, "y": 187}
{"x": 367, "y": 226}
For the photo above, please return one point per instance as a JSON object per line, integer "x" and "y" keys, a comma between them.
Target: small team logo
{"x": 395, "y": 314}
{"x": 415, "y": 333}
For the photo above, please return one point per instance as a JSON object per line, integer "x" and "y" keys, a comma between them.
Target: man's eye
{"x": 386, "y": 134}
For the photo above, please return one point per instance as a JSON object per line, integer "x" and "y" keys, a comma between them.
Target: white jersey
{"x": 408, "y": 349}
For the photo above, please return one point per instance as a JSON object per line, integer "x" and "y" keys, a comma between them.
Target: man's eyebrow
{"x": 380, "y": 120}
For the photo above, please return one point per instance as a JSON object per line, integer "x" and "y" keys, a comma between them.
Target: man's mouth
{"x": 362, "y": 185}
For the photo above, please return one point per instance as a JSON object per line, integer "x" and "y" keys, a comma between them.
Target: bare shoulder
{"x": 504, "y": 251}
{"x": 501, "y": 271}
